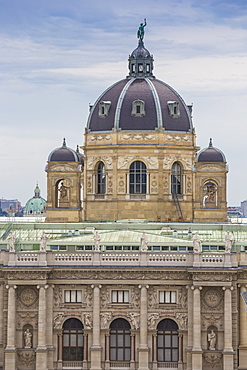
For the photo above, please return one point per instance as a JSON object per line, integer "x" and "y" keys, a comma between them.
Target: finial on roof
{"x": 64, "y": 142}
{"x": 210, "y": 143}
{"x": 77, "y": 149}
{"x": 140, "y": 32}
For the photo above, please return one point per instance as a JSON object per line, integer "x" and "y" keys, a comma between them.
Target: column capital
{"x": 45, "y": 286}
{"x": 194, "y": 287}
{"x": 96, "y": 286}
{"x": 11, "y": 286}
{"x": 143, "y": 286}
{"x": 227, "y": 287}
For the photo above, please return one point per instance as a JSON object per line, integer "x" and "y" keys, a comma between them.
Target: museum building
{"x": 136, "y": 266}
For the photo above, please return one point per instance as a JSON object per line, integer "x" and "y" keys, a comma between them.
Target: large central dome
{"x": 140, "y": 102}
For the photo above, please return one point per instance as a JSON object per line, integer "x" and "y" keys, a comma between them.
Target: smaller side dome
{"x": 210, "y": 154}
{"x": 36, "y": 205}
{"x": 63, "y": 154}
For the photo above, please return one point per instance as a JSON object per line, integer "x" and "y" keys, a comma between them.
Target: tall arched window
{"x": 101, "y": 179}
{"x": 120, "y": 340}
{"x": 72, "y": 340}
{"x": 167, "y": 341}
{"x": 138, "y": 178}
{"x": 176, "y": 178}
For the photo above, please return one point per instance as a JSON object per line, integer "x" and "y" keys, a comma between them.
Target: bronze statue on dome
{"x": 140, "y": 32}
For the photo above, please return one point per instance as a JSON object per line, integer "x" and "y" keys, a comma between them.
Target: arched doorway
{"x": 72, "y": 340}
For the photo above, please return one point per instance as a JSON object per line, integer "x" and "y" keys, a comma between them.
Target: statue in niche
{"x": 144, "y": 242}
{"x": 196, "y": 243}
{"x": 209, "y": 195}
{"x": 212, "y": 340}
{"x": 63, "y": 192}
{"x": 140, "y": 32}
{"x": 28, "y": 338}
{"x": 43, "y": 241}
{"x": 96, "y": 239}
{"x": 11, "y": 241}
{"x": 228, "y": 242}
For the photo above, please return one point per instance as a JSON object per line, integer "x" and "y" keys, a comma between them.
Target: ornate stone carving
{"x": 26, "y": 357}
{"x": 27, "y": 275}
{"x": 177, "y": 137}
{"x": 166, "y": 185}
{"x": 110, "y": 184}
{"x": 27, "y": 317}
{"x": 212, "y": 358}
{"x": 137, "y": 137}
{"x": 152, "y": 161}
{"x": 152, "y": 320}
{"x": 167, "y": 162}
{"x": 121, "y": 184}
{"x": 92, "y": 160}
{"x": 152, "y": 297}
{"x": 212, "y": 319}
{"x": 58, "y": 295}
{"x": 182, "y": 297}
{"x": 212, "y": 297}
{"x": 87, "y": 320}
{"x": 99, "y": 137}
{"x": 105, "y": 297}
{"x": 187, "y": 162}
{"x": 213, "y": 276}
{"x": 123, "y": 162}
{"x": 209, "y": 169}
{"x": 153, "y": 184}
{"x": 28, "y": 296}
{"x": 135, "y": 297}
{"x": 62, "y": 169}
{"x": 89, "y": 184}
{"x": 189, "y": 185}
{"x": 58, "y": 320}
{"x": 134, "y": 318}
{"x": 88, "y": 296}
{"x": 119, "y": 275}
{"x": 105, "y": 319}
{"x": 182, "y": 319}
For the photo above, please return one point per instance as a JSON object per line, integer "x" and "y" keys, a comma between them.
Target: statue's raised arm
{"x": 140, "y": 32}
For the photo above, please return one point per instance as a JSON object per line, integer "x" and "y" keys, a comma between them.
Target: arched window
{"x": 176, "y": 178}
{"x": 167, "y": 341}
{"x": 72, "y": 340}
{"x": 138, "y": 178}
{"x": 120, "y": 340}
{"x": 101, "y": 178}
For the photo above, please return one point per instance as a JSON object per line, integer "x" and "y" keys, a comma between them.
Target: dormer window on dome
{"x": 138, "y": 108}
{"x": 173, "y": 107}
{"x": 104, "y": 107}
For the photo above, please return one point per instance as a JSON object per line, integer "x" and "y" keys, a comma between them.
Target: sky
{"x": 58, "y": 56}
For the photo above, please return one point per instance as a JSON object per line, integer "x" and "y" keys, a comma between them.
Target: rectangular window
{"x": 72, "y": 296}
{"x": 167, "y": 297}
{"x": 120, "y": 296}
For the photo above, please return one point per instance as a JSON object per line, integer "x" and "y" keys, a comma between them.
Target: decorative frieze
{"x": 138, "y": 137}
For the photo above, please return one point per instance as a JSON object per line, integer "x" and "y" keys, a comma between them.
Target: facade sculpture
{"x": 28, "y": 338}
{"x": 228, "y": 242}
{"x": 43, "y": 242}
{"x": 196, "y": 243}
{"x": 212, "y": 340}
{"x": 11, "y": 241}
{"x": 144, "y": 242}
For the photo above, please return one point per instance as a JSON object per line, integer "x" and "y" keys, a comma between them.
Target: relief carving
{"x": 26, "y": 357}
{"x": 58, "y": 295}
{"x": 105, "y": 319}
{"x": 28, "y": 296}
{"x": 166, "y": 185}
{"x": 137, "y": 137}
{"x": 189, "y": 185}
{"x": 100, "y": 137}
{"x": 105, "y": 297}
{"x": 135, "y": 297}
{"x": 28, "y": 317}
{"x": 152, "y": 297}
{"x": 62, "y": 169}
{"x": 152, "y": 320}
{"x": 134, "y": 319}
{"x": 182, "y": 319}
{"x": 212, "y": 277}
{"x": 167, "y": 162}
{"x": 177, "y": 138}
{"x": 212, "y": 359}
{"x": 58, "y": 320}
{"x": 92, "y": 160}
{"x": 212, "y": 319}
{"x": 152, "y": 161}
{"x": 182, "y": 297}
{"x": 88, "y": 296}
{"x": 87, "y": 320}
{"x": 123, "y": 162}
{"x": 212, "y": 297}
{"x": 121, "y": 184}
{"x": 27, "y": 275}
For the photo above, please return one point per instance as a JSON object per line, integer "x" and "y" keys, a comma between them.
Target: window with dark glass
{"x": 138, "y": 178}
{"x": 120, "y": 340}
{"x": 72, "y": 340}
{"x": 120, "y": 296}
{"x": 101, "y": 178}
{"x": 176, "y": 178}
{"x": 167, "y": 341}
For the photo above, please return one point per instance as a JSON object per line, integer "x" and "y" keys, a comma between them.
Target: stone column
{"x": 143, "y": 347}
{"x": 85, "y": 347}
{"x": 49, "y": 326}
{"x": 190, "y": 327}
{"x": 132, "y": 353}
{"x": 197, "y": 349}
{"x": 41, "y": 351}
{"x": 228, "y": 350}
{"x": 242, "y": 331}
{"x": 60, "y": 350}
{"x": 107, "y": 351}
{"x": 155, "y": 365}
{"x": 96, "y": 348}
{"x": 1, "y": 324}
{"x": 10, "y": 355}
{"x": 180, "y": 352}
